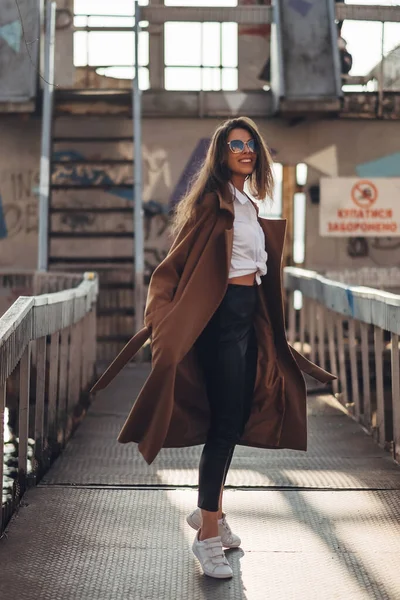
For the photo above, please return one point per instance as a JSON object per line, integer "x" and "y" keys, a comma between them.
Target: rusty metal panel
{"x": 307, "y": 53}
{"x": 19, "y": 49}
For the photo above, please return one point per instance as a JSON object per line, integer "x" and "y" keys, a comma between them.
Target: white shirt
{"x": 248, "y": 253}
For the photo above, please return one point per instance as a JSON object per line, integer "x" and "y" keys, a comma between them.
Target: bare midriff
{"x": 249, "y": 279}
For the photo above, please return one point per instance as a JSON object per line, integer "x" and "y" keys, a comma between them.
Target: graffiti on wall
{"x": 156, "y": 173}
{"x": 11, "y": 34}
{"x": 18, "y": 209}
{"x": 19, "y": 205}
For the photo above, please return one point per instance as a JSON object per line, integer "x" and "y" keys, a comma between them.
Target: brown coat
{"x": 185, "y": 291}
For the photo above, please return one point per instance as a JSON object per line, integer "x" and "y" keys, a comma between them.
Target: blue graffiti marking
{"x": 12, "y": 34}
{"x": 301, "y": 6}
{"x": 385, "y": 166}
{"x": 86, "y": 176}
{"x": 3, "y": 226}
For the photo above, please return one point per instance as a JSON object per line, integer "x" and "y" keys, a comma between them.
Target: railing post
{"x": 62, "y": 387}
{"x": 332, "y": 348}
{"x": 366, "y": 376}
{"x": 3, "y": 388}
{"x": 85, "y": 353}
{"x": 53, "y": 386}
{"x": 302, "y": 323}
{"x": 396, "y": 395}
{"x": 292, "y": 318}
{"x": 71, "y": 374}
{"x": 78, "y": 380}
{"x": 354, "y": 371}
{"x": 342, "y": 360}
{"x": 93, "y": 337}
{"x": 40, "y": 391}
{"x": 380, "y": 399}
{"x": 311, "y": 316}
{"x": 23, "y": 421}
{"x": 321, "y": 335}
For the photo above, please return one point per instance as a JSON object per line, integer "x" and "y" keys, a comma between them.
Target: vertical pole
{"x": 302, "y": 323}
{"x": 137, "y": 179}
{"x": 396, "y": 395}
{"x": 288, "y": 191}
{"x": 380, "y": 397}
{"x": 3, "y": 387}
{"x": 46, "y": 146}
{"x": 40, "y": 392}
{"x": 367, "y": 416}
{"x": 354, "y": 369}
{"x": 23, "y": 421}
{"x": 292, "y": 318}
{"x": 381, "y": 73}
{"x": 342, "y": 361}
{"x": 321, "y": 335}
{"x": 311, "y": 316}
{"x": 331, "y": 318}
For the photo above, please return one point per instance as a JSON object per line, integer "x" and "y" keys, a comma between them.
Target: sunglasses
{"x": 237, "y": 146}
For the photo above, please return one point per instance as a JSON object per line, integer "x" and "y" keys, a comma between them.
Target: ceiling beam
{"x": 257, "y": 15}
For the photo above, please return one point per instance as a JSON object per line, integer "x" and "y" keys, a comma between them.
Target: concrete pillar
{"x": 253, "y": 50}
{"x": 64, "y": 51}
{"x": 288, "y": 191}
{"x": 156, "y": 52}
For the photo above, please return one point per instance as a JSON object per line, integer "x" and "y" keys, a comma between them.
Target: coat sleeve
{"x": 165, "y": 278}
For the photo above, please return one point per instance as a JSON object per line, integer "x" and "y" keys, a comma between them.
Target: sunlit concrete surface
{"x": 318, "y": 525}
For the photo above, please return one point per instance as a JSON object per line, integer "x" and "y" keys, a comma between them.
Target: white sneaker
{"x": 228, "y": 538}
{"x": 211, "y": 556}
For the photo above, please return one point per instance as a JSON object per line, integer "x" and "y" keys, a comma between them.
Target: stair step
{"x": 79, "y": 140}
{"x": 88, "y": 186}
{"x": 105, "y": 210}
{"x": 91, "y": 234}
{"x": 91, "y": 260}
{"x": 93, "y": 161}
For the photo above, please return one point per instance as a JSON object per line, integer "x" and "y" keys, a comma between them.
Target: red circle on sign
{"x": 364, "y": 193}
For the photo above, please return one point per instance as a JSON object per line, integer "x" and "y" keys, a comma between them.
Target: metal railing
{"x": 47, "y": 360}
{"x": 354, "y": 332}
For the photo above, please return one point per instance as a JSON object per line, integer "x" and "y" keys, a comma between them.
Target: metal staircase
{"x": 91, "y": 215}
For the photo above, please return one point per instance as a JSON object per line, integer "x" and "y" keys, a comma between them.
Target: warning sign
{"x": 359, "y": 207}
{"x": 364, "y": 194}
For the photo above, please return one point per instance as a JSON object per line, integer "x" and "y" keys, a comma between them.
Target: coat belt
{"x": 140, "y": 338}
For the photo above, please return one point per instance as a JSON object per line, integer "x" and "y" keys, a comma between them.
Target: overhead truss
{"x": 258, "y": 15}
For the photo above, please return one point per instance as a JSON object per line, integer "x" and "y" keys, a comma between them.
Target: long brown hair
{"x": 214, "y": 173}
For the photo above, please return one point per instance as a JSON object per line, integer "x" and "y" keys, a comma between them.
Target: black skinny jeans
{"x": 227, "y": 352}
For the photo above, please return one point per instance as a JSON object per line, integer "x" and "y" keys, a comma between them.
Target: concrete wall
{"x": 18, "y": 68}
{"x": 168, "y": 149}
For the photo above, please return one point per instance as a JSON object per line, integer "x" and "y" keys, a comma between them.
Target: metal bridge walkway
{"x": 102, "y": 524}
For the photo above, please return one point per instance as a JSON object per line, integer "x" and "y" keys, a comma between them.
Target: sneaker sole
{"x": 213, "y": 575}
{"x": 196, "y": 527}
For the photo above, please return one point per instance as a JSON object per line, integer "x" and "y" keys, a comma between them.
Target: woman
{"x": 222, "y": 370}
